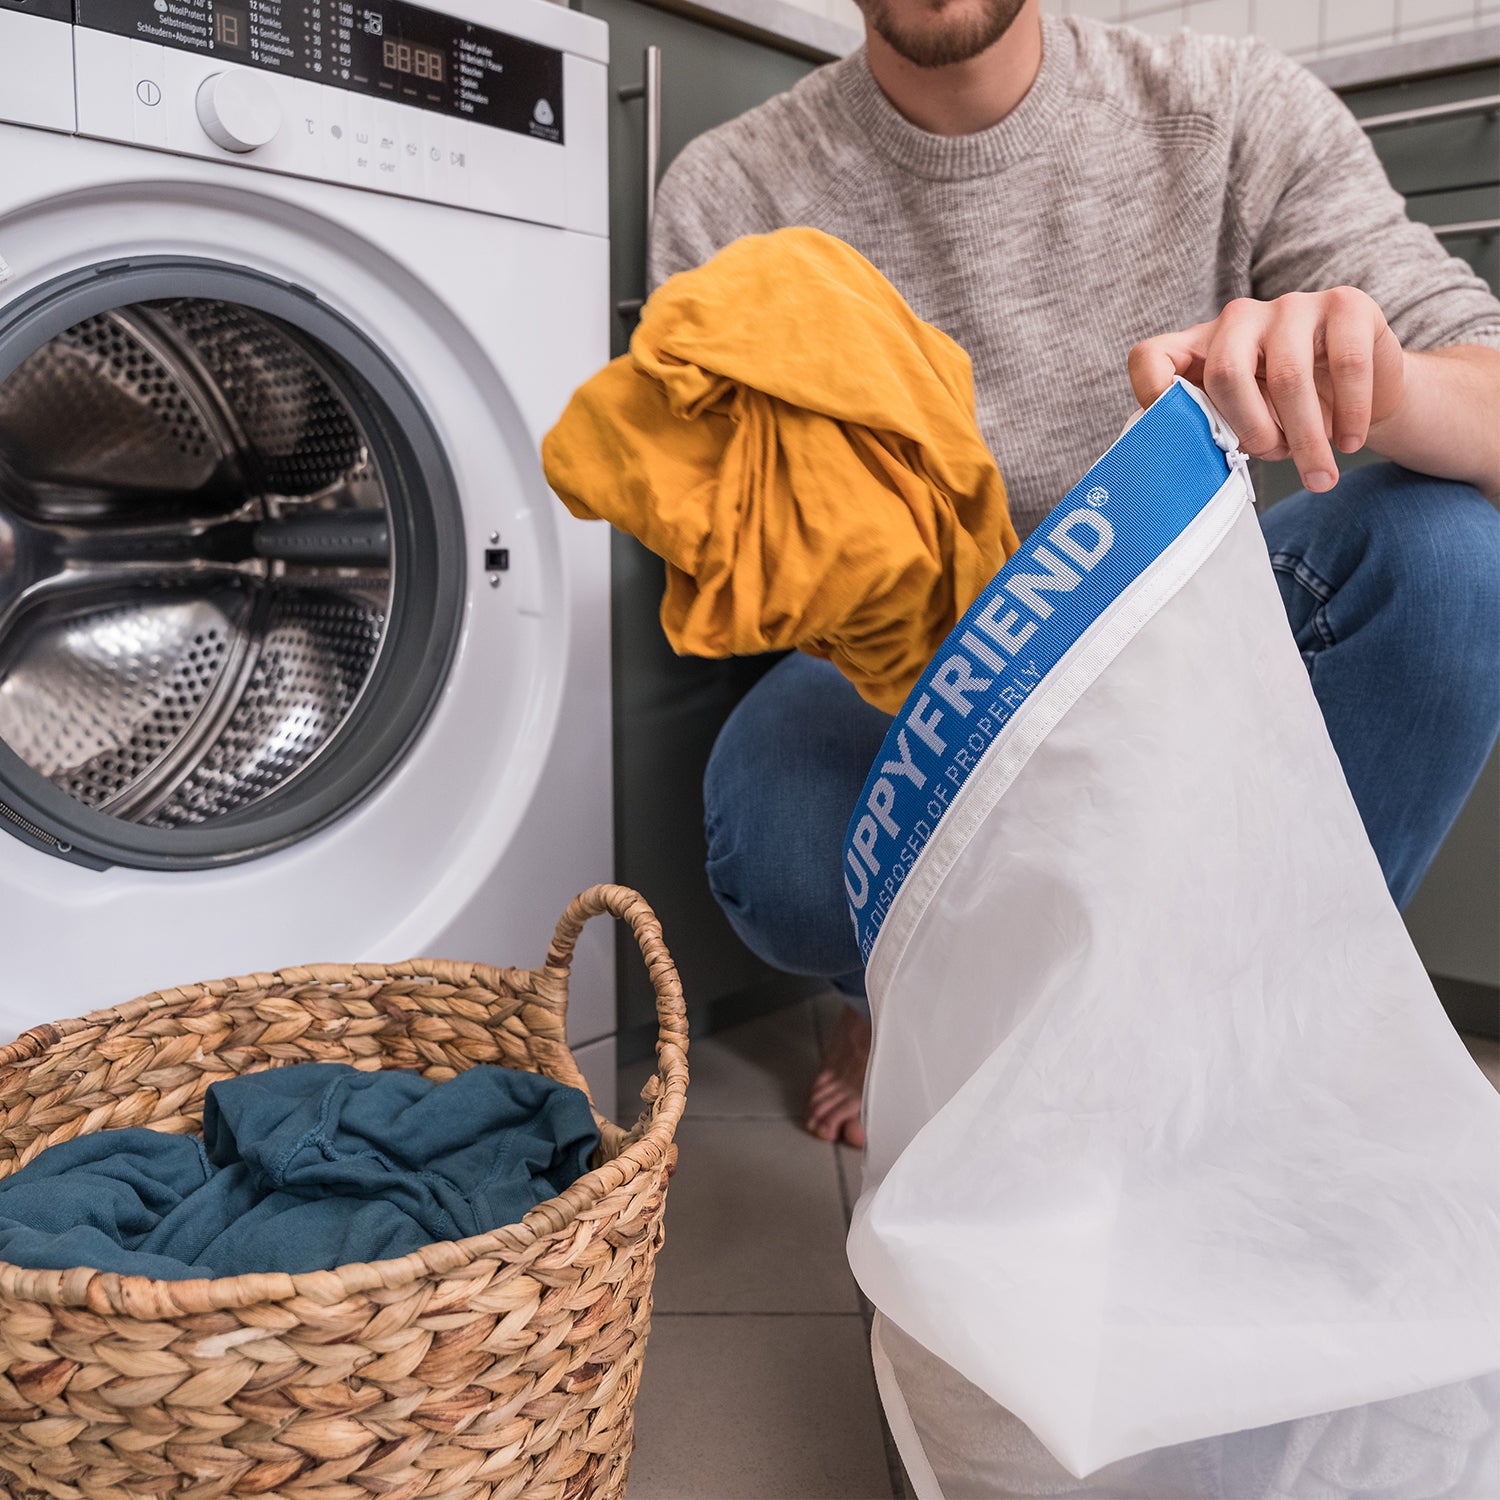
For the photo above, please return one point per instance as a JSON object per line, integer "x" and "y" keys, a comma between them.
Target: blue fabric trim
{"x": 1115, "y": 522}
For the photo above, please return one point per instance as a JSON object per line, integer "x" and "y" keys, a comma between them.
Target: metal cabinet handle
{"x": 649, "y": 89}
{"x": 1485, "y": 105}
{"x": 1478, "y": 228}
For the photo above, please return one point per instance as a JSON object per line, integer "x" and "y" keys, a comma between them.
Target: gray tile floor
{"x": 757, "y": 1383}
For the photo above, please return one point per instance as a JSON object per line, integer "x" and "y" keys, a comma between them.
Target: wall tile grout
{"x": 1420, "y": 17}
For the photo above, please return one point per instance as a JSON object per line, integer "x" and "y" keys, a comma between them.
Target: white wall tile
{"x": 1301, "y": 28}
{"x": 1218, "y": 17}
{"x": 1347, "y": 20}
{"x": 1439, "y": 28}
{"x": 1425, "y": 12}
{"x": 1291, "y": 25}
{"x": 1159, "y": 22}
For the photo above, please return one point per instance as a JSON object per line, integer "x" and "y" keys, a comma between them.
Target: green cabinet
{"x": 1446, "y": 163}
{"x": 1448, "y": 168}
{"x": 708, "y": 76}
{"x": 668, "y": 709}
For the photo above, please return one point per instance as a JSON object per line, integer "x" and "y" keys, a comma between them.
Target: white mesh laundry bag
{"x": 1169, "y": 1136}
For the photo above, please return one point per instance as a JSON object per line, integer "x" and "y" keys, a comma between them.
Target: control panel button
{"x": 362, "y": 141}
{"x": 38, "y": 68}
{"x": 411, "y": 176}
{"x": 239, "y": 110}
{"x": 326, "y": 120}
{"x": 386, "y": 142}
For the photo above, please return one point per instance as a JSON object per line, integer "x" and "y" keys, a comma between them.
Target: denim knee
{"x": 777, "y": 793}
{"x": 1391, "y": 583}
{"x": 1427, "y": 548}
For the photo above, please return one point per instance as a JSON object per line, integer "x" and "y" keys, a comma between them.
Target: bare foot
{"x": 834, "y": 1099}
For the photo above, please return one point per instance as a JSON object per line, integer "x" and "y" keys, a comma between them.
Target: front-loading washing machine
{"x": 299, "y": 658}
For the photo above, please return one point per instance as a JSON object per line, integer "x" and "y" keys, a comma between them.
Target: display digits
{"x": 229, "y": 27}
{"x": 408, "y": 57}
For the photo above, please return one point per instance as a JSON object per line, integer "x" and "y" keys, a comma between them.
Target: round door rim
{"x": 427, "y": 608}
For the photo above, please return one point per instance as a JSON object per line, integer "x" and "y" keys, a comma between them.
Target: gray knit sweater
{"x": 1141, "y": 184}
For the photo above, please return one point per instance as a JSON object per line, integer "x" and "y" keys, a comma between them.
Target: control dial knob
{"x": 238, "y": 109}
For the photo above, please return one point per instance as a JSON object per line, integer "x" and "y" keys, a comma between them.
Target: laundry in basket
{"x": 483, "y": 1368}
{"x": 1169, "y": 1136}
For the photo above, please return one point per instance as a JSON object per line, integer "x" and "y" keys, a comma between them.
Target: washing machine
{"x": 299, "y": 658}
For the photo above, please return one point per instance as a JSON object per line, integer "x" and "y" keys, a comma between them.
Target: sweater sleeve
{"x": 1313, "y": 200}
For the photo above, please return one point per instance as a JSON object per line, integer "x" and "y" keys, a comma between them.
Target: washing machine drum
{"x": 222, "y": 616}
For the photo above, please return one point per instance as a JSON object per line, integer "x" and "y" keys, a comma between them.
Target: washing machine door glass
{"x": 228, "y": 559}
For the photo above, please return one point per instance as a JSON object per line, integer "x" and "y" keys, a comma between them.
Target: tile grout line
{"x": 899, "y": 1487}
{"x": 783, "y": 1119}
{"x": 740, "y": 1313}
{"x": 895, "y": 1469}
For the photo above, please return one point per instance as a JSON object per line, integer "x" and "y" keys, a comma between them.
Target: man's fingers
{"x": 1155, "y": 363}
{"x": 1288, "y": 353}
{"x": 1230, "y": 368}
{"x": 1291, "y": 376}
{"x": 1351, "y": 323}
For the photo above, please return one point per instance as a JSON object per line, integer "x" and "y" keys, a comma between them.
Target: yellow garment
{"x": 802, "y": 451}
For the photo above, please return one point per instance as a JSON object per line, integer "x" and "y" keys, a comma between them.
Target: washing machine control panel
{"x": 392, "y": 50}
{"x": 392, "y": 96}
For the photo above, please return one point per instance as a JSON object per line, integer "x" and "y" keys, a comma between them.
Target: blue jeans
{"x": 1391, "y": 583}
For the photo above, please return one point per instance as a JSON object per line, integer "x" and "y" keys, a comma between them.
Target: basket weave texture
{"x": 480, "y": 1369}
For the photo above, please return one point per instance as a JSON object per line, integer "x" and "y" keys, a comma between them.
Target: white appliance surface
{"x": 474, "y": 260}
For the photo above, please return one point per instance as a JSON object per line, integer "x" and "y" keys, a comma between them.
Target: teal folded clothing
{"x": 301, "y": 1169}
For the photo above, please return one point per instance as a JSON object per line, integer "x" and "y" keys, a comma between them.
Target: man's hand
{"x": 1289, "y": 376}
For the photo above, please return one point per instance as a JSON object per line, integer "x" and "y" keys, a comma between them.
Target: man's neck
{"x": 965, "y": 97}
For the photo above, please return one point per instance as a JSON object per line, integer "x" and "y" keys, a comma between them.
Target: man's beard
{"x": 943, "y": 44}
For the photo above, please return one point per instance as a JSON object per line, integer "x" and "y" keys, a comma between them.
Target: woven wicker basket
{"x": 479, "y": 1369}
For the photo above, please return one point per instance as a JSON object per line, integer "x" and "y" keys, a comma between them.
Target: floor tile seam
{"x": 657, "y": 1312}
{"x": 691, "y": 1116}
{"x": 895, "y": 1469}
{"x": 846, "y": 1188}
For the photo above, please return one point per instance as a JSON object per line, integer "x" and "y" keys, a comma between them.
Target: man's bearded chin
{"x": 924, "y": 35}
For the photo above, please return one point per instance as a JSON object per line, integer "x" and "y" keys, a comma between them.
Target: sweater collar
{"x": 952, "y": 157}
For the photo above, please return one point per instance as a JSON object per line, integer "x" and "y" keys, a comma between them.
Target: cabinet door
{"x": 1444, "y": 165}
{"x": 708, "y": 76}
{"x": 668, "y": 709}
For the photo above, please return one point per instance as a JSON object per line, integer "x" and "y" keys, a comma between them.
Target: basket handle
{"x": 630, "y": 907}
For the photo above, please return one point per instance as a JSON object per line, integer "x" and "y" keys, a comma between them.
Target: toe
{"x": 822, "y": 1119}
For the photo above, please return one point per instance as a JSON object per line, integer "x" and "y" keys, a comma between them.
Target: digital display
{"x": 394, "y": 50}
{"x": 408, "y": 57}
{"x": 231, "y": 28}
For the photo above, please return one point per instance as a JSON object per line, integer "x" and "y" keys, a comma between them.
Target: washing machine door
{"x": 230, "y": 566}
